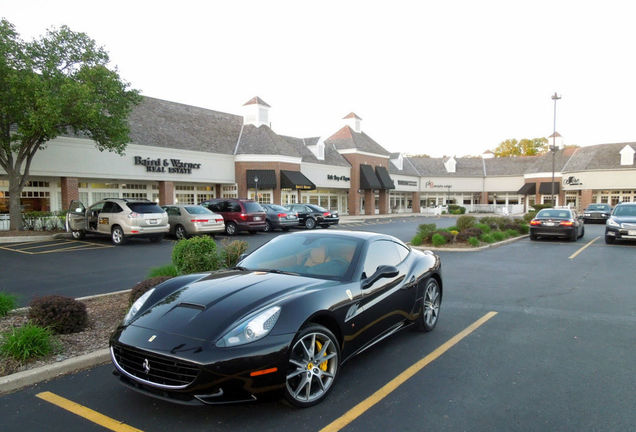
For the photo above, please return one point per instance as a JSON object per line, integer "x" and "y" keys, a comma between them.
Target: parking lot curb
{"x": 477, "y": 249}
{"x": 29, "y": 377}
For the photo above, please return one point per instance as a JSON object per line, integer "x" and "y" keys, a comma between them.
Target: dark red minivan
{"x": 239, "y": 214}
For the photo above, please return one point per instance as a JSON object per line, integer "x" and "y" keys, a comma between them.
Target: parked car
{"x": 557, "y": 222}
{"x": 596, "y": 212}
{"x": 278, "y": 321}
{"x": 119, "y": 218}
{"x": 238, "y": 214}
{"x": 189, "y": 219}
{"x": 279, "y": 217}
{"x": 311, "y": 215}
{"x": 621, "y": 225}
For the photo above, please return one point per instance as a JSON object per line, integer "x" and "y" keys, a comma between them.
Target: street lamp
{"x": 555, "y": 98}
{"x": 256, "y": 184}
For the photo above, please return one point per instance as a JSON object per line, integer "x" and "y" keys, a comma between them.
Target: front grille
{"x": 160, "y": 370}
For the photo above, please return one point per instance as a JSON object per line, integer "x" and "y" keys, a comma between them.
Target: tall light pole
{"x": 555, "y": 98}
{"x": 256, "y": 184}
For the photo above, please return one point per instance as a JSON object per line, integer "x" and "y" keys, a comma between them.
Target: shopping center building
{"x": 185, "y": 154}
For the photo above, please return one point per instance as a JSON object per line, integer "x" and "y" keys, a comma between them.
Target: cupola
{"x": 450, "y": 164}
{"x": 256, "y": 112}
{"x": 353, "y": 121}
{"x": 627, "y": 155}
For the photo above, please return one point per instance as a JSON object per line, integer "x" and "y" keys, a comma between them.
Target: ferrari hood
{"x": 205, "y": 309}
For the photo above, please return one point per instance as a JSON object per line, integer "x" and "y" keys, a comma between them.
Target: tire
{"x": 78, "y": 235}
{"x": 310, "y": 223}
{"x": 156, "y": 238}
{"x": 268, "y": 226}
{"x": 180, "y": 232}
{"x": 117, "y": 236}
{"x": 609, "y": 240}
{"x": 431, "y": 302}
{"x": 582, "y": 232}
{"x": 302, "y": 387}
{"x": 574, "y": 236}
{"x": 285, "y": 229}
{"x": 230, "y": 228}
{"x": 533, "y": 237}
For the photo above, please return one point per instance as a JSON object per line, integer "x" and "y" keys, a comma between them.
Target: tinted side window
{"x": 381, "y": 252}
{"x": 252, "y": 207}
{"x": 232, "y": 206}
{"x": 145, "y": 207}
{"x": 108, "y": 207}
{"x": 214, "y": 206}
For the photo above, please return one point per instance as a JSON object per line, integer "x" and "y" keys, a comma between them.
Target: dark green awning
{"x": 295, "y": 180}
{"x": 384, "y": 177}
{"x": 545, "y": 188}
{"x": 368, "y": 179}
{"x": 266, "y": 179}
{"x": 528, "y": 189}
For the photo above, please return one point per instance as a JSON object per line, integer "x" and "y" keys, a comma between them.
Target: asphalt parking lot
{"x": 557, "y": 355}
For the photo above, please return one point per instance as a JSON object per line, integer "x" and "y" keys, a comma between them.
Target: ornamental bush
{"x": 438, "y": 239}
{"x": 485, "y": 228}
{"x": 417, "y": 240}
{"x": 529, "y": 216}
{"x": 468, "y": 233}
{"x": 498, "y": 236}
{"x": 194, "y": 255}
{"x": 456, "y": 209}
{"x": 60, "y": 314}
{"x": 523, "y": 229}
{"x": 232, "y": 251}
{"x": 465, "y": 222}
{"x": 8, "y": 302}
{"x": 512, "y": 233}
{"x": 164, "y": 270}
{"x": 26, "y": 342}
{"x": 425, "y": 229}
{"x": 487, "y": 238}
{"x": 473, "y": 241}
{"x": 140, "y": 288}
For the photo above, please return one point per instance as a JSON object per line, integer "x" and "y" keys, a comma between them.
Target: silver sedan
{"x": 189, "y": 219}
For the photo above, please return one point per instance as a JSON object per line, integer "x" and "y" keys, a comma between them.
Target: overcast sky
{"x": 434, "y": 77}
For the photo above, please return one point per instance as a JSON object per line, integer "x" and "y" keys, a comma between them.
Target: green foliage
{"x": 164, "y": 270}
{"x": 485, "y": 228}
{"x": 487, "y": 238}
{"x": 539, "y": 207}
{"x": 426, "y": 228}
{"x": 525, "y": 147}
{"x": 232, "y": 251}
{"x": 60, "y": 314}
{"x": 196, "y": 254}
{"x": 438, "y": 240}
{"x": 473, "y": 241}
{"x": 456, "y": 209}
{"x": 512, "y": 233}
{"x": 451, "y": 228}
{"x": 140, "y": 288}
{"x": 8, "y": 302}
{"x": 523, "y": 228}
{"x": 469, "y": 232}
{"x": 495, "y": 222}
{"x": 529, "y": 216}
{"x": 27, "y": 342}
{"x": 417, "y": 240}
{"x": 498, "y": 236}
{"x": 53, "y": 85}
{"x": 465, "y": 222}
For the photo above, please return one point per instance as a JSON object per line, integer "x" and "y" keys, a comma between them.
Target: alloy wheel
{"x": 310, "y": 223}
{"x": 117, "y": 236}
{"x": 180, "y": 232}
{"x": 431, "y": 302}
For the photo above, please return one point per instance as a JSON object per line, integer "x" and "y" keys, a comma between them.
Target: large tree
{"x": 58, "y": 84}
{"x": 525, "y": 147}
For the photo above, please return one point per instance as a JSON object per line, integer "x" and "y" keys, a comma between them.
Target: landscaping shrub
{"x": 232, "y": 251}
{"x": 523, "y": 229}
{"x": 26, "y": 342}
{"x": 512, "y": 233}
{"x": 538, "y": 207}
{"x": 468, "y": 233}
{"x": 473, "y": 241}
{"x": 465, "y": 222}
{"x": 438, "y": 239}
{"x": 529, "y": 216}
{"x": 487, "y": 238}
{"x": 425, "y": 229}
{"x": 485, "y": 228}
{"x": 417, "y": 240}
{"x": 143, "y": 286}
{"x": 7, "y": 302}
{"x": 164, "y": 270}
{"x": 451, "y": 228}
{"x": 456, "y": 209}
{"x": 498, "y": 236}
{"x": 194, "y": 255}
{"x": 60, "y": 314}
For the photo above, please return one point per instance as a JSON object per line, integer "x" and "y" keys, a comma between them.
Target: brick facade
{"x": 166, "y": 193}
{"x": 240, "y": 169}
{"x": 70, "y": 190}
{"x": 356, "y": 159}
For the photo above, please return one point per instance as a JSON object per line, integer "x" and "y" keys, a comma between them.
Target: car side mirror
{"x": 383, "y": 271}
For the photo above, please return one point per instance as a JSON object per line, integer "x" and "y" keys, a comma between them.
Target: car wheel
{"x": 431, "y": 301}
{"x": 117, "y": 236}
{"x": 180, "y": 232}
{"x": 285, "y": 229}
{"x": 78, "y": 235}
{"x": 582, "y": 232}
{"x": 314, "y": 359}
{"x": 156, "y": 238}
{"x": 230, "y": 228}
{"x": 310, "y": 223}
{"x": 533, "y": 236}
{"x": 268, "y": 227}
{"x": 609, "y": 240}
{"x": 574, "y": 236}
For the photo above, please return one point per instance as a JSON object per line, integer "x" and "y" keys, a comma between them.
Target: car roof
{"x": 364, "y": 235}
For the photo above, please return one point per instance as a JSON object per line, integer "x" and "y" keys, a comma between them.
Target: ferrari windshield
{"x": 326, "y": 256}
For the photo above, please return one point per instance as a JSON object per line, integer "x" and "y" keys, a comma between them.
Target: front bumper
{"x": 329, "y": 221}
{"x": 223, "y": 375}
{"x": 620, "y": 233}
{"x": 595, "y": 217}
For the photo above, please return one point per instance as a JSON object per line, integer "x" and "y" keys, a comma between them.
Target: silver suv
{"x": 118, "y": 218}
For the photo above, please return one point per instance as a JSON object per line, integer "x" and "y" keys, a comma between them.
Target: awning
{"x": 368, "y": 179}
{"x": 295, "y": 180}
{"x": 545, "y": 188}
{"x": 384, "y": 177}
{"x": 528, "y": 189}
{"x": 266, "y": 179}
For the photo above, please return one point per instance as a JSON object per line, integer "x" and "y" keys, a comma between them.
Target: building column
{"x": 166, "y": 193}
{"x": 70, "y": 191}
{"x": 369, "y": 202}
{"x": 484, "y": 198}
{"x": 353, "y": 200}
{"x": 415, "y": 206}
{"x": 217, "y": 190}
{"x": 277, "y": 193}
{"x": 384, "y": 201}
{"x": 586, "y": 198}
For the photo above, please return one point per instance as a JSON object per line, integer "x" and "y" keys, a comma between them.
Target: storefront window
{"x": 229, "y": 191}
{"x": 185, "y": 198}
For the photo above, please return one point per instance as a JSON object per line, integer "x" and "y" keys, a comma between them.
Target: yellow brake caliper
{"x": 323, "y": 365}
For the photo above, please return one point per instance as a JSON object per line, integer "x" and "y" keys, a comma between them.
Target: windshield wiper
{"x": 241, "y": 268}
{"x": 278, "y": 272}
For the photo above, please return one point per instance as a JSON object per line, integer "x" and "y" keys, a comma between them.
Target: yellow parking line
{"x": 383, "y": 392}
{"x": 575, "y": 254}
{"x": 86, "y": 413}
{"x": 44, "y": 245}
{"x": 16, "y": 250}
{"x": 73, "y": 248}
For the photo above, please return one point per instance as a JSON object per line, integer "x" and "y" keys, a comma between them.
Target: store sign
{"x": 407, "y": 183}
{"x": 171, "y": 166}
{"x": 431, "y": 185}
{"x": 338, "y": 178}
{"x": 572, "y": 181}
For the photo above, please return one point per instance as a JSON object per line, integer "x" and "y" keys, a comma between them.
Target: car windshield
{"x": 197, "y": 210}
{"x": 324, "y": 257}
{"x": 598, "y": 207}
{"x": 554, "y": 213}
{"x": 253, "y": 207}
{"x": 145, "y": 207}
{"x": 625, "y": 210}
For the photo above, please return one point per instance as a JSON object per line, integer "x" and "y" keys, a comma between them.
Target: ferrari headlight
{"x": 613, "y": 223}
{"x": 252, "y": 329}
{"x": 137, "y": 305}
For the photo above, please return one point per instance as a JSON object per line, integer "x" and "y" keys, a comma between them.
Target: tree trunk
{"x": 15, "y": 210}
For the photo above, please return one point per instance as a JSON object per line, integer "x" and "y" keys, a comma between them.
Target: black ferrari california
{"x": 285, "y": 319}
